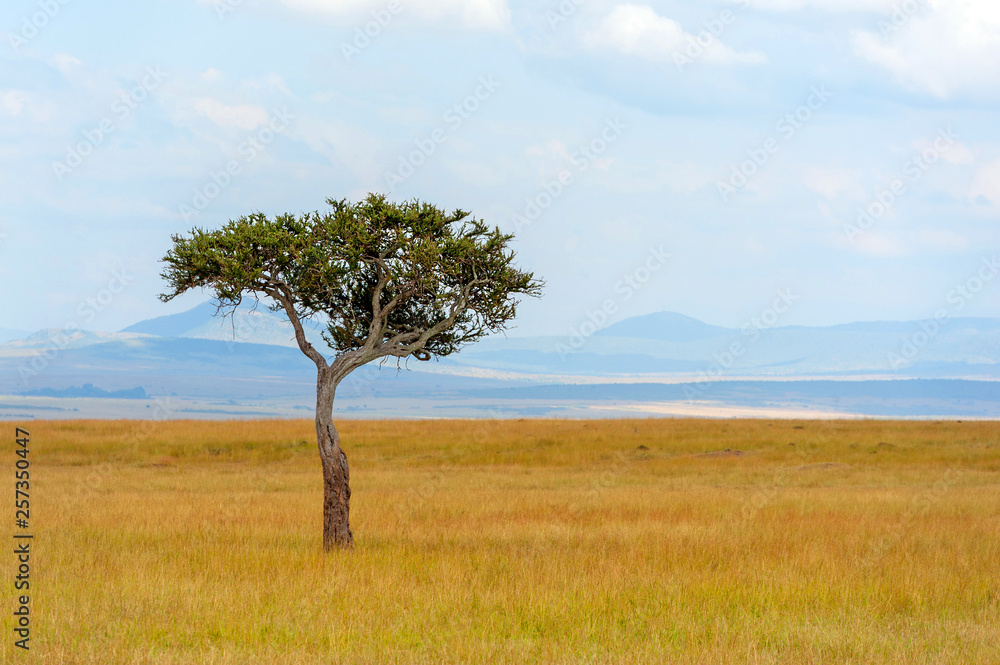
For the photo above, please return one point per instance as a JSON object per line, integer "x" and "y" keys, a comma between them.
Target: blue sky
{"x": 739, "y": 138}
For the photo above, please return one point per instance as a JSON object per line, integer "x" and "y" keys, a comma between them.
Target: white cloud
{"x": 12, "y": 101}
{"x": 987, "y": 182}
{"x": 271, "y": 82}
{"x": 880, "y": 244}
{"x": 480, "y": 14}
{"x": 941, "y": 47}
{"x": 830, "y": 5}
{"x": 832, "y": 182}
{"x": 638, "y": 30}
{"x": 27, "y": 106}
{"x": 959, "y": 154}
{"x": 245, "y": 116}
{"x": 345, "y": 146}
{"x": 947, "y": 47}
{"x": 67, "y": 65}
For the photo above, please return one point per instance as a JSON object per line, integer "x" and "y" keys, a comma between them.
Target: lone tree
{"x": 387, "y": 280}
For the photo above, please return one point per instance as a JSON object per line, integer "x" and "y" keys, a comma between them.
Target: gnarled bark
{"x": 336, "y": 474}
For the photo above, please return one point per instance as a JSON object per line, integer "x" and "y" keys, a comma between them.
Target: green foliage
{"x": 390, "y": 279}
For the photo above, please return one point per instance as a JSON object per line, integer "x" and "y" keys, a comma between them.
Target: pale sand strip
{"x": 701, "y": 410}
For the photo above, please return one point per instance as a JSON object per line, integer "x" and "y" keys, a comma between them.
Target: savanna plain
{"x": 517, "y": 541}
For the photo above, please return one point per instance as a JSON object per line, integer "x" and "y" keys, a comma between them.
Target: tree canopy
{"x": 387, "y": 279}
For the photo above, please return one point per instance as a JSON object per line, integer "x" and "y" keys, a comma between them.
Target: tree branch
{"x": 403, "y": 344}
{"x": 377, "y": 327}
{"x": 398, "y": 346}
{"x": 280, "y": 293}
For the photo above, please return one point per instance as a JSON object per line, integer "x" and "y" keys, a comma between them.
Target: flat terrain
{"x": 647, "y": 541}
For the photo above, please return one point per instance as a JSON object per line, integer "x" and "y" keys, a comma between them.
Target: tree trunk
{"x": 336, "y": 475}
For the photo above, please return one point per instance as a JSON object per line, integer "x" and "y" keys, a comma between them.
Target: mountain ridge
{"x": 222, "y": 367}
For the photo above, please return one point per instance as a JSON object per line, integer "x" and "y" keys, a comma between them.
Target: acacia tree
{"x": 387, "y": 280}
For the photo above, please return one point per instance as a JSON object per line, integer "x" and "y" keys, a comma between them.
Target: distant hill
{"x": 247, "y": 324}
{"x": 174, "y": 325}
{"x": 962, "y": 348}
{"x": 665, "y": 326}
{"x": 58, "y": 338}
{"x": 251, "y": 358}
{"x": 88, "y": 390}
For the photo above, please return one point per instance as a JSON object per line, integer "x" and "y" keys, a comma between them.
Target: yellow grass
{"x": 516, "y": 542}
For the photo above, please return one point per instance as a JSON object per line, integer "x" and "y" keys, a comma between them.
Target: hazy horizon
{"x": 513, "y": 332}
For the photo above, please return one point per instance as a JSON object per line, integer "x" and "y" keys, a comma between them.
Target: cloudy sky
{"x": 695, "y": 157}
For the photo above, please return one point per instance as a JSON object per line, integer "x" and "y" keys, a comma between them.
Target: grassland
{"x": 651, "y": 541}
